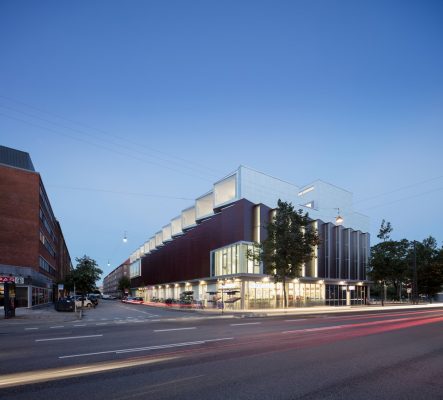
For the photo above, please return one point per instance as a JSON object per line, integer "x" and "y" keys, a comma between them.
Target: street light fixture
{"x": 125, "y": 239}
{"x": 338, "y": 219}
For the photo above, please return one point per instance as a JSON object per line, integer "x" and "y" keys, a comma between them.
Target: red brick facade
{"x": 32, "y": 246}
{"x": 19, "y": 215}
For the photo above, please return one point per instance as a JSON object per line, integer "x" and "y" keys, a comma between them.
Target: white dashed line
{"x": 57, "y": 327}
{"x": 174, "y": 329}
{"x": 295, "y": 320}
{"x": 247, "y": 323}
{"x": 31, "y": 329}
{"x": 163, "y": 346}
{"x": 67, "y": 338}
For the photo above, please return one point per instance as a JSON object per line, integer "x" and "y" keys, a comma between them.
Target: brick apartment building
{"x": 33, "y": 251}
{"x": 110, "y": 282}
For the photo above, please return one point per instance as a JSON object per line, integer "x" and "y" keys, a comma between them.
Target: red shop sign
{"x": 7, "y": 279}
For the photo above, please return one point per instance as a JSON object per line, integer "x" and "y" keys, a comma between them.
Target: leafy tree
{"x": 385, "y": 230}
{"x": 429, "y": 260}
{"x": 389, "y": 260}
{"x": 124, "y": 283}
{"x": 289, "y": 244}
{"x": 84, "y": 275}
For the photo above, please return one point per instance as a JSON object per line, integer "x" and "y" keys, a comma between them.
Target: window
{"x": 231, "y": 260}
{"x": 135, "y": 269}
{"x": 225, "y": 191}
{"x": 45, "y": 266}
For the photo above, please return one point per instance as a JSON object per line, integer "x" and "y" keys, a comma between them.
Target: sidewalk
{"x": 48, "y": 313}
{"x": 315, "y": 310}
{"x": 44, "y": 313}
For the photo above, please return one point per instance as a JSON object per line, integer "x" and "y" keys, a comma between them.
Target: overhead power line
{"x": 398, "y": 189}
{"x": 190, "y": 164}
{"x": 120, "y": 192}
{"x": 101, "y": 146}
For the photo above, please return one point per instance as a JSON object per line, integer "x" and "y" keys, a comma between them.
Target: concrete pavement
{"x": 48, "y": 313}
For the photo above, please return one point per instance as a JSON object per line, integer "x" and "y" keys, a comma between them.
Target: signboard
{"x": 409, "y": 290}
{"x": 351, "y": 287}
{"x": 19, "y": 280}
{"x": 260, "y": 285}
{"x": 61, "y": 286}
{"x": 4, "y": 279}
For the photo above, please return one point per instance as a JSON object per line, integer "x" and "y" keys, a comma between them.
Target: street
{"x": 120, "y": 351}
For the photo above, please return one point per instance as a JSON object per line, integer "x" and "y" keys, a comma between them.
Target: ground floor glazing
{"x": 244, "y": 294}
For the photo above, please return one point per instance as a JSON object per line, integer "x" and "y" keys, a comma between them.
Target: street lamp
{"x": 125, "y": 239}
{"x": 338, "y": 219}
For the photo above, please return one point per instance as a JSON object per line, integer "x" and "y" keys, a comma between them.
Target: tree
{"x": 429, "y": 261}
{"x": 289, "y": 244}
{"x": 85, "y": 275}
{"x": 385, "y": 230}
{"x": 389, "y": 260}
{"x": 124, "y": 283}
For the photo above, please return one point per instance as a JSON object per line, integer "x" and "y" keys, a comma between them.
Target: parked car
{"x": 93, "y": 298}
{"x": 138, "y": 300}
{"x": 133, "y": 300}
{"x": 86, "y": 302}
{"x": 64, "y": 304}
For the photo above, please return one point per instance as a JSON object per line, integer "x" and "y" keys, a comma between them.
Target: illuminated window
{"x": 188, "y": 218}
{"x": 225, "y": 191}
{"x": 204, "y": 206}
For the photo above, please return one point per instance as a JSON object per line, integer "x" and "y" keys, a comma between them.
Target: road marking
{"x": 57, "y": 327}
{"x": 31, "y": 329}
{"x": 25, "y": 378}
{"x": 80, "y": 325}
{"x": 295, "y": 320}
{"x": 141, "y": 311}
{"x": 149, "y": 348}
{"x": 247, "y": 323}
{"x": 67, "y": 338}
{"x": 101, "y": 323}
{"x": 323, "y": 328}
{"x": 174, "y": 329}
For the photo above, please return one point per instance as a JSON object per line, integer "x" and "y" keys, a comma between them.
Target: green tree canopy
{"x": 388, "y": 262}
{"x": 85, "y": 275}
{"x": 124, "y": 283}
{"x": 429, "y": 262}
{"x": 290, "y": 243}
{"x": 393, "y": 262}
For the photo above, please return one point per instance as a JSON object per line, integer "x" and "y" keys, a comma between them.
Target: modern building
{"x": 33, "y": 251}
{"x": 111, "y": 281}
{"x": 202, "y": 253}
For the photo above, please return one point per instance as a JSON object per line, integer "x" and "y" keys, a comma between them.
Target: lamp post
{"x": 222, "y": 283}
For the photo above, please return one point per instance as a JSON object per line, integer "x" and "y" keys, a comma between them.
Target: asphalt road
{"x": 122, "y": 351}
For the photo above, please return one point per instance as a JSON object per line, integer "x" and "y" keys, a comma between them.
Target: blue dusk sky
{"x": 132, "y": 109}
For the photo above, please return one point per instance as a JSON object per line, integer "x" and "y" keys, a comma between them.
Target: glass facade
{"x": 231, "y": 260}
{"x": 41, "y": 295}
{"x": 270, "y": 294}
{"x": 341, "y": 295}
{"x": 135, "y": 269}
